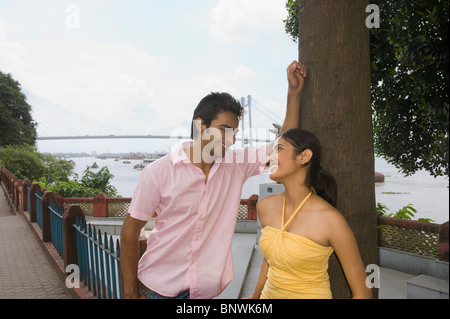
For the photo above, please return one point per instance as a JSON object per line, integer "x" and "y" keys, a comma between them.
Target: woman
{"x": 302, "y": 227}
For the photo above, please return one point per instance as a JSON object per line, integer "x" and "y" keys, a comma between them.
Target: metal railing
{"x": 39, "y": 195}
{"x": 99, "y": 261}
{"x": 420, "y": 238}
{"x": 28, "y": 197}
{"x": 56, "y": 222}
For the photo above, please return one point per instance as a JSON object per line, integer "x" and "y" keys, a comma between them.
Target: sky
{"x": 141, "y": 67}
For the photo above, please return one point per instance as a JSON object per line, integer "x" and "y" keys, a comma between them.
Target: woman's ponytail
{"x": 325, "y": 186}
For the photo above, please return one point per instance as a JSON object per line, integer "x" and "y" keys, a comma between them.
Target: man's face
{"x": 219, "y": 136}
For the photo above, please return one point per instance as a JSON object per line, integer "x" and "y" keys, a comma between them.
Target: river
{"x": 427, "y": 194}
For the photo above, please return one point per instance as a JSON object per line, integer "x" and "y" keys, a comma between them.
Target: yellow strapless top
{"x": 297, "y": 265}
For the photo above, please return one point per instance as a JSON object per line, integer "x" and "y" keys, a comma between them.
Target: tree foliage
{"x": 16, "y": 124}
{"x": 54, "y": 173}
{"x": 91, "y": 184}
{"x": 409, "y": 83}
{"x": 291, "y": 21}
{"x": 100, "y": 180}
{"x": 24, "y": 161}
{"x": 410, "y": 80}
{"x": 406, "y": 212}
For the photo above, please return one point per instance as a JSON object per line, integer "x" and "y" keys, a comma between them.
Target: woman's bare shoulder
{"x": 268, "y": 205}
{"x": 268, "y": 202}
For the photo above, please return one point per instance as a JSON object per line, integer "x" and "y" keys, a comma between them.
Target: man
{"x": 195, "y": 192}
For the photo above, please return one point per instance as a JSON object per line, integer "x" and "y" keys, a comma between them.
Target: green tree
{"x": 99, "y": 180}
{"x": 16, "y": 124}
{"x": 55, "y": 168}
{"x": 71, "y": 188}
{"x": 291, "y": 22}
{"x": 406, "y": 212}
{"x": 409, "y": 85}
{"x": 409, "y": 82}
{"x": 25, "y": 161}
{"x": 90, "y": 185}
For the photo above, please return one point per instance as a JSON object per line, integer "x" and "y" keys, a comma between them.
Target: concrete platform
{"x": 242, "y": 247}
{"x": 426, "y": 287}
{"x": 393, "y": 284}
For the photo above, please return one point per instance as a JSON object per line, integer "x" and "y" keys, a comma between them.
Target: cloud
{"x": 243, "y": 73}
{"x": 176, "y": 102}
{"x": 81, "y": 83}
{"x": 236, "y": 20}
{"x": 78, "y": 87}
{"x": 103, "y": 75}
{"x": 81, "y": 87}
{"x": 11, "y": 53}
{"x": 97, "y": 82}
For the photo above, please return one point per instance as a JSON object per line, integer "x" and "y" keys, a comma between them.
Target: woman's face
{"x": 282, "y": 160}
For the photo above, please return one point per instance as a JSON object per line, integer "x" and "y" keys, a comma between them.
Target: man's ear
{"x": 305, "y": 157}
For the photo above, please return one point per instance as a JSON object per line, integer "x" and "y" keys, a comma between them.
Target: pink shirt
{"x": 190, "y": 245}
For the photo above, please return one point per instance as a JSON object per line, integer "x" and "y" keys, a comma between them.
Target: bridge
{"x": 96, "y": 137}
{"x": 248, "y": 105}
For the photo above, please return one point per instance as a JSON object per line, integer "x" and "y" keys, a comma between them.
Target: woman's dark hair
{"x": 322, "y": 181}
{"x": 214, "y": 104}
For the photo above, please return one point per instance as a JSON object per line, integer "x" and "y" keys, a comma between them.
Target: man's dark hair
{"x": 214, "y": 104}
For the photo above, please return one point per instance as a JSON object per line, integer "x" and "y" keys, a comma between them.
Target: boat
{"x": 144, "y": 163}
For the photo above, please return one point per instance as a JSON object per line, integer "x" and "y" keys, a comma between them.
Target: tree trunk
{"x": 334, "y": 44}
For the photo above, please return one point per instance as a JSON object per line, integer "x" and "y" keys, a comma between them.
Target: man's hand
{"x": 296, "y": 74}
{"x": 129, "y": 255}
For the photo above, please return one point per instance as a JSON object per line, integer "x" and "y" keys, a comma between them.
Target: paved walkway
{"x": 25, "y": 271}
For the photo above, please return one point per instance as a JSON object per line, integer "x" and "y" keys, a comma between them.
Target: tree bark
{"x": 334, "y": 44}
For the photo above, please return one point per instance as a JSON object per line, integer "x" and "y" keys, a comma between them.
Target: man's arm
{"x": 296, "y": 74}
{"x": 129, "y": 249}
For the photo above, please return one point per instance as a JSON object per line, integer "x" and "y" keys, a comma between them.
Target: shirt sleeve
{"x": 146, "y": 196}
{"x": 253, "y": 160}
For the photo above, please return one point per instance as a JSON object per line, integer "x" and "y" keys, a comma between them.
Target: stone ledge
{"x": 426, "y": 287}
